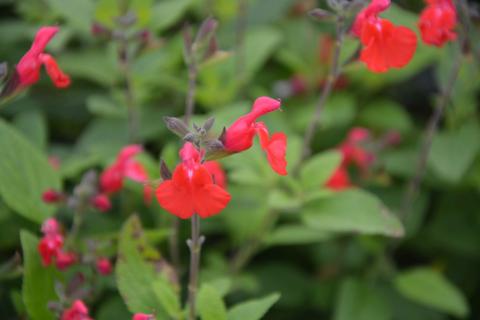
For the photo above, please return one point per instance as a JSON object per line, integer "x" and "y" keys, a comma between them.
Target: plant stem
{"x": 430, "y": 132}
{"x": 125, "y": 63}
{"x": 327, "y": 89}
{"x": 173, "y": 243}
{"x": 241, "y": 28}
{"x": 192, "y": 88}
{"x": 195, "y": 245}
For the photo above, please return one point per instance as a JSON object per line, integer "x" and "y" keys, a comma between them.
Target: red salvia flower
{"x": 216, "y": 171}
{"x": 239, "y": 136}
{"x": 101, "y": 202}
{"x": 354, "y": 152}
{"x": 51, "y": 226}
{"x": 52, "y": 196}
{"x": 143, "y": 316}
{"x": 104, "y": 266}
{"x": 339, "y": 179}
{"x": 49, "y": 247}
{"x": 28, "y": 68}
{"x": 78, "y": 311}
{"x": 125, "y": 166}
{"x": 437, "y": 22}
{"x": 63, "y": 259}
{"x": 385, "y": 44}
{"x": 191, "y": 189}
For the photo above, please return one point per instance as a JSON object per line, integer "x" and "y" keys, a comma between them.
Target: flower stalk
{"x": 195, "y": 245}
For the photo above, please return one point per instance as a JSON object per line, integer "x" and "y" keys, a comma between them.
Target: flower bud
{"x": 177, "y": 126}
{"x": 320, "y": 14}
{"x": 52, "y": 196}
{"x": 102, "y": 202}
{"x": 104, "y": 267}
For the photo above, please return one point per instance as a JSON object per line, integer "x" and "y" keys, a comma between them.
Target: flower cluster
{"x": 50, "y": 246}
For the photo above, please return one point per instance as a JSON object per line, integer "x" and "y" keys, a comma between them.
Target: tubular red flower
{"x": 275, "y": 147}
{"x": 111, "y": 179}
{"x": 239, "y": 136}
{"x": 28, "y": 68}
{"x": 437, "y": 22}
{"x": 49, "y": 247}
{"x": 353, "y": 152}
{"x": 191, "y": 189}
{"x": 385, "y": 44}
{"x": 339, "y": 180}
{"x": 78, "y": 311}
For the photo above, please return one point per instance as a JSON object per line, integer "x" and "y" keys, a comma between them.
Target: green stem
{"x": 195, "y": 245}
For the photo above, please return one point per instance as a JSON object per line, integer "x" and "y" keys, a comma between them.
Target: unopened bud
{"x": 52, "y": 196}
{"x": 208, "y": 124}
{"x": 177, "y": 126}
{"x": 99, "y": 29}
{"x": 128, "y": 19}
{"x": 320, "y": 14}
{"x": 206, "y": 30}
{"x": 190, "y": 137}
{"x": 213, "y": 145}
{"x": 165, "y": 173}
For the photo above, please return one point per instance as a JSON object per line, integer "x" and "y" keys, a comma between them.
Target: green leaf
{"x": 454, "y": 152}
{"x": 318, "y": 169}
{"x": 24, "y": 175}
{"x": 210, "y": 304}
{"x": 432, "y": 289}
{"x": 143, "y": 11}
{"x": 106, "y": 11}
{"x": 38, "y": 281}
{"x": 168, "y": 297}
{"x": 353, "y": 210}
{"x": 141, "y": 273}
{"x": 166, "y": 13}
{"x": 385, "y": 115}
{"x": 102, "y": 105}
{"x": 294, "y": 235}
{"x": 78, "y": 12}
{"x": 259, "y": 45}
{"x": 253, "y": 309}
{"x": 33, "y": 126}
{"x": 359, "y": 301}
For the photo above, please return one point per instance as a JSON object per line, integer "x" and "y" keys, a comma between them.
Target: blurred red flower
{"x": 437, "y": 22}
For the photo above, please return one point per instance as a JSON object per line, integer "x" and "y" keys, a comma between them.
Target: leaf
{"x": 253, "y": 309}
{"x": 38, "y": 281}
{"x": 453, "y": 153}
{"x": 359, "y": 301}
{"x": 168, "y": 298}
{"x": 210, "y": 304}
{"x": 430, "y": 288}
{"x": 78, "y": 12}
{"x": 318, "y": 169}
{"x": 33, "y": 126}
{"x": 385, "y": 115}
{"x": 106, "y": 11}
{"x": 353, "y": 210}
{"x": 102, "y": 105}
{"x": 294, "y": 235}
{"x": 260, "y": 43}
{"x": 143, "y": 11}
{"x": 24, "y": 175}
{"x": 141, "y": 272}
{"x": 168, "y": 12}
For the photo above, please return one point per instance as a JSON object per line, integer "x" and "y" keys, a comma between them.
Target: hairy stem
{"x": 430, "y": 132}
{"x": 327, "y": 89}
{"x": 133, "y": 117}
{"x": 195, "y": 245}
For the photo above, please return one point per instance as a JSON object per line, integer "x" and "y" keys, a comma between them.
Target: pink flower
{"x": 104, "y": 267}
{"x": 101, "y": 202}
{"x": 78, "y": 311}
{"x": 28, "y": 68}
{"x": 143, "y": 316}
{"x": 51, "y": 226}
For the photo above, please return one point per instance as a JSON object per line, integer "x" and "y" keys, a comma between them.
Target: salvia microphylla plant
{"x": 196, "y": 188}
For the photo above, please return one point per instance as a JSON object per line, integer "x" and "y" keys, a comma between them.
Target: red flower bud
{"x": 102, "y": 202}
{"x": 104, "y": 267}
{"x": 52, "y": 196}
{"x": 78, "y": 311}
{"x": 63, "y": 260}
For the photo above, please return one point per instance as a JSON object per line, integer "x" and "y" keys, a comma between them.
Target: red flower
{"x": 63, "y": 260}
{"x": 78, "y": 311}
{"x": 239, "y": 136}
{"x": 143, "y": 316}
{"x": 52, "y": 196}
{"x": 28, "y": 68}
{"x": 385, "y": 44}
{"x": 101, "y": 202}
{"x": 191, "y": 189}
{"x": 49, "y": 247}
{"x": 437, "y": 22}
{"x": 354, "y": 152}
{"x": 111, "y": 180}
{"x": 216, "y": 171}
{"x": 104, "y": 267}
{"x": 50, "y": 226}
{"x": 339, "y": 180}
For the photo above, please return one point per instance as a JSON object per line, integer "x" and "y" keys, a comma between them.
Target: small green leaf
{"x": 318, "y": 169}
{"x": 168, "y": 297}
{"x": 385, "y": 115}
{"x": 359, "y": 301}
{"x": 24, "y": 175}
{"x": 432, "y": 289}
{"x": 210, "y": 304}
{"x": 260, "y": 43}
{"x": 106, "y": 11}
{"x": 253, "y": 309}
{"x": 353, "y": 210}
{"x": 38, "y": 281}
{"x": 33, "y": 126}
{"x": 78, "y": 12}
{"x": 167, "y": 12}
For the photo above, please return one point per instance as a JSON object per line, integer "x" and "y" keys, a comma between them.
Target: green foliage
{"x": 38, "y": 281}
{"x": 24, "y": 175}
{"x": 318, "y": 169}
{"x": 210, "y": 304}
{"x": 428, "y": 287}
{"x": 253, "y": 309}
{"x": 144, "y": 278}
